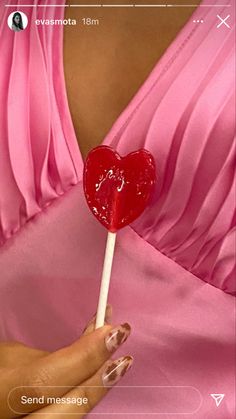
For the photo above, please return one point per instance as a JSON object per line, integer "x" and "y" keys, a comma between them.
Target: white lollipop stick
{"x": 106, "y": 275}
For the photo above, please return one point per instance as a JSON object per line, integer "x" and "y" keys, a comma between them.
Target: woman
{"x": 172, "y": 278}
{"x": 17, "y": 24}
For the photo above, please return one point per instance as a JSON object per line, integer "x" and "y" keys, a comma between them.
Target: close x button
{"x": 223, "y": 21}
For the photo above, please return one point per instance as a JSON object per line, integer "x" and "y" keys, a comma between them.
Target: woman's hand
{"x": 69, "y": 373}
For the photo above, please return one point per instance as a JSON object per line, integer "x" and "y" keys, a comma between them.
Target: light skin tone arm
{"x": 71, "y": 372}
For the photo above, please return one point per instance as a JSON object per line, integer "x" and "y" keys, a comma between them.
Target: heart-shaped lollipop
{"x": 117, "y": 189}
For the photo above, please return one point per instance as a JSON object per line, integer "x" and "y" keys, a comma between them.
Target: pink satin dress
{"x": 173, "y": 273}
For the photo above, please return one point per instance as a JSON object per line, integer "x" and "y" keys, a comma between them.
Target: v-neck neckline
{"x": 164, "y": 62}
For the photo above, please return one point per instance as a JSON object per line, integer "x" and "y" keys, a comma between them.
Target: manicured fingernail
{"x": 115, "y": 370}
{"x": 117, "y": 336}
{"x": 108, "y": 315}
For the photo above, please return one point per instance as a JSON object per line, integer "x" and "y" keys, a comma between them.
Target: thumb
{"x": 90, "y": 327}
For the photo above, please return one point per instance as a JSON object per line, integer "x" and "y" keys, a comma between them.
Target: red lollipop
{"x": 117, "y": 190}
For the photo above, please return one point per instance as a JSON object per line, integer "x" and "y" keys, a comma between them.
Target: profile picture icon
{"x": 17, "y": 21}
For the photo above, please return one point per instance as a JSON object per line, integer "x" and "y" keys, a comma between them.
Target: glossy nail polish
{"x": 108, "y": 315}
{"x": 115, "y": 370}
{"x": 117, "y": 336}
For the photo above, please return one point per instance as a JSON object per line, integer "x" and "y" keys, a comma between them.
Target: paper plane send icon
{"x": 218, "y": 398}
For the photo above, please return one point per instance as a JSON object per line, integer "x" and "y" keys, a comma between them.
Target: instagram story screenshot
{"x": 117, "y": 209}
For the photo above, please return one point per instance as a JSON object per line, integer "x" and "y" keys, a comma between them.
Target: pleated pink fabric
{"x": 37, "y": 139}
{"x": 174, "y": 268}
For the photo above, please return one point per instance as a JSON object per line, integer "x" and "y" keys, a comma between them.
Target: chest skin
{"x": 106, "y": 63}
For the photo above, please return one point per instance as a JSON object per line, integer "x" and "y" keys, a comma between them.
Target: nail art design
{"x": 117, "y": 336}
{"x": 115, "y": 370}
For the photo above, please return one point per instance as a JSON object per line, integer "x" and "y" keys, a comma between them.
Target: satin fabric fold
{"x": 36, "y": 162}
